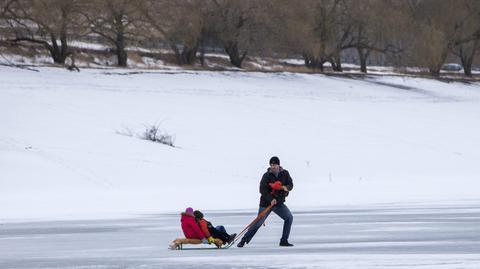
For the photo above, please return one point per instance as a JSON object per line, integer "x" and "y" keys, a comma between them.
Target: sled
{"x": 178, "y": 244}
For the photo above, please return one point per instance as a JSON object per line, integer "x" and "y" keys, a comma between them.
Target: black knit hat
{"x": 198, "y": 214}
{"x": 275, "y": 160}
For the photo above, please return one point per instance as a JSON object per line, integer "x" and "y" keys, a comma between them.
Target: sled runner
{"x": 178, "y": 244}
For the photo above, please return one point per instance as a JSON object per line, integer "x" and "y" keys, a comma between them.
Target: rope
{"x": 239, "y": 235}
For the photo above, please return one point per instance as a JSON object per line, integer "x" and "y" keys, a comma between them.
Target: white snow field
{"x": 69, "y": 150}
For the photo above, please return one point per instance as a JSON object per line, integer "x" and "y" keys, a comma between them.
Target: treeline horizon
{"x": 420, "y": 33}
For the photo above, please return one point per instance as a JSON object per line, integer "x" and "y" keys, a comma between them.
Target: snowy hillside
{"x": 64, "y": 152}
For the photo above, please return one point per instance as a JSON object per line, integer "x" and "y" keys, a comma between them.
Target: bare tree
{"x": 324, "y": 19}
{"x": 234, "y": 23}
{"x": 435, "y": 28}
{"x": 467, "y": 41}
{"x": 113, "y": 21}
{"x": 372, "y": 29}
{"x": 179, "y": 23}
{"x": 273, "y": 36}
{"x": 3, "y": 19}
{"x": 466, "y": 51}
{"x": 316, "y": 29}
{"x": 46, "y": 22}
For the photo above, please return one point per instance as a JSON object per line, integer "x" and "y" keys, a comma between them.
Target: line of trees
{"x": 419, "y": 33}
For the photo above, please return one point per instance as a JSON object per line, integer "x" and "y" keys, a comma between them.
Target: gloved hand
{"x": 277, "y": 185}
{"x": 205, "y": 241}
{"x": 211, "y": 240}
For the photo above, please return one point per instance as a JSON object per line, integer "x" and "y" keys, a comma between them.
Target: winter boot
{"x": 218, "y": 243}
{"x": 284, "y": 243}
{"x": 231, "y": 238}
{"x": 241, "y": 244}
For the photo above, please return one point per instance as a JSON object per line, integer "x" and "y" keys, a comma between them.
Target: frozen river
{"x": 391, "y": 236}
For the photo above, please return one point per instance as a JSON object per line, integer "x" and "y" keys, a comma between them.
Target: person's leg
{"x": 254, "y": 228}
{"x": 177, "y": 243}
{"x": 221, "y": 229}
{"x": 229, "y": 237}
{"x": 283, "y": 212}
{"x": 220, "y": 234}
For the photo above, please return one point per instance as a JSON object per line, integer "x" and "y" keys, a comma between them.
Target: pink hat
{"x": 189, "y": 210}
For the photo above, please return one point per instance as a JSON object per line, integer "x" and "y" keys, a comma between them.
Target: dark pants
{"x": 282, "y": 211}
{"x": 220, "y": 233}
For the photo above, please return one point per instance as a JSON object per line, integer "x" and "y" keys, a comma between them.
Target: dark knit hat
{"x": 198, "y": 214}
{"x": 275, "y": 160}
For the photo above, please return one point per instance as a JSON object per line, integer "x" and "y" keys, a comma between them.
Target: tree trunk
{"x": 189, "y": 54}
{"x": 121, "y": 56}
{"x": 64, "y": 51}
{"x": 435, "y": 67}
{"x": 313, "y": 62}
{"x": 363, "y": 55}
{"x": 307, "y": 60}
{"x": 231, "y": 48}
{"x": 434, "y": 71}
{"x": 467, "y": 68}
{"x": 467, "y": 59}
{"x": 186, "y": 56}
{"x": 363, "y": 64}
{"x": 178, "y": 57}
{"x": 319, "y": 65}
{"x": 120, "y": 50}
{"x": 120, "y": 40}
{"x": 56, "y": 55}
{"x": 338, "y": 63}
{"x": 333, "y": 64}
{"x": 59, "y": 54}
{"x": 202, "y": 53}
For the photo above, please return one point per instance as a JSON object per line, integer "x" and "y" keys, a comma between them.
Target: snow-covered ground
{"x": 399, "y": 237}
{"x": 64, "y": 153}
{"x": 385, "y": 168}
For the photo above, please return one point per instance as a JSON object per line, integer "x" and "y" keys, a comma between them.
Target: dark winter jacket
{"x": 266, "y": 190}
{"x": 190, "y": 227}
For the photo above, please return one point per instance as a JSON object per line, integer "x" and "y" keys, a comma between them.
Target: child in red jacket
{"x": 190, "y": 227}
{"x": 192, "y": 232}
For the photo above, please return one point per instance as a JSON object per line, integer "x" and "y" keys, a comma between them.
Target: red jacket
{"x": 190, "y": 227}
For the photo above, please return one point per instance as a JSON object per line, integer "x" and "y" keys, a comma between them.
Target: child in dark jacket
{"x": 193, "y": 233}
{"x": 210, "y": 231}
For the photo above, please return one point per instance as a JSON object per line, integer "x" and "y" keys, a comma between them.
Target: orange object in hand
{"x": 277, "y": 185}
